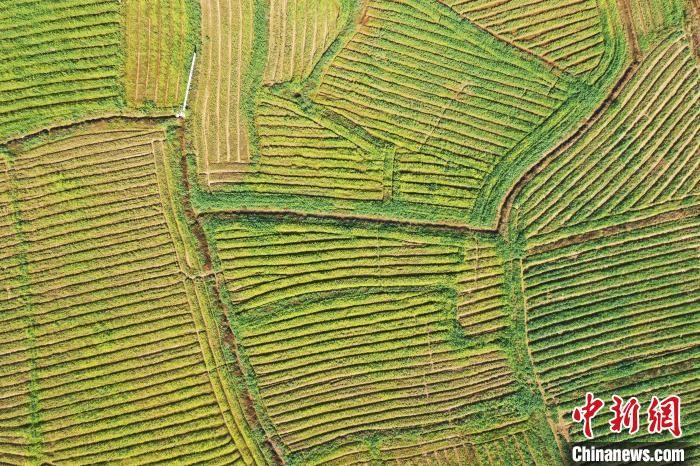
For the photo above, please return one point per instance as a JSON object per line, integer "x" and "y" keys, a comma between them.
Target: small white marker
{"x": 187, "y": 91}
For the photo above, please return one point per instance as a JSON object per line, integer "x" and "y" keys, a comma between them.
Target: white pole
{"x": 187, "y": 91}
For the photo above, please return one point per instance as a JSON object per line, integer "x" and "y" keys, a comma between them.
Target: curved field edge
{"x": 240, "y": 195}
{"x": 637, "y": 257}
{"x": 224, "y": 358}
{"x": 504, "y": 178}
{"x": 108, "y": 53}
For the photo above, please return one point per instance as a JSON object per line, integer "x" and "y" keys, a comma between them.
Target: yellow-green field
{"x": 378, "y": 232}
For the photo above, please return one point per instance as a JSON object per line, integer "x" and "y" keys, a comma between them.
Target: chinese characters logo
{"x": 661, "y": 415}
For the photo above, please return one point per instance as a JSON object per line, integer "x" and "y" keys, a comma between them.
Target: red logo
{"x": 662, "y": 415}
{"x": 587, "y": 412}
{"x": 665, "y": 415}
{"x": 626, "y": 416}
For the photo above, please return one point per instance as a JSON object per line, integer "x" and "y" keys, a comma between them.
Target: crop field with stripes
{"x": 158, "y": 49}
{"x": 611, "y": 273}
{"x": 104, "y": 353}
{"x": 344, "y": 232}
{"x": 59, "y": 60}
{"x": 352, "y": 330}
{"x": 300, "y": 31}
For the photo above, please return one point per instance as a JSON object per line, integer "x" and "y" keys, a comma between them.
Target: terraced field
{"x": 104, "y": 352}
{"x": 59, "y": 61}
{"x": 642, "y": 153}
{"x": 567, "y": 34}
{"x": 381, "y": 328}
{"x": 158, "y": 53}
{"x": 450, "y": 120}
{"x": 303, "y": 154}
{"x": 221, "y": 127}
{"x": 410, "y": 232}
{"x": 611, "y": 271}
{"x": 300, "y": 31}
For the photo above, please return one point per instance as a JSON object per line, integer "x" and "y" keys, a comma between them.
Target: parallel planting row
{"x": 158, "y": 52}
{"x": 450, "y": 97}
{"x": 641, "y": 152}
{"x": 354, "y": 330}
{"x": 408, "y": 109}
{"x": 610, "y": 224}
{"x": 59, "y": 61}
{"x": 106, "y": 351}
{"x": 567, "y": 34}
{"x": 521, "y": 441}
{"x": 301, "y": 154}
{"x": 299, "y": 32}
{"x": 220, "y": 126}
{"x": 614, "y": 308}
{"x": 66, "y": 61}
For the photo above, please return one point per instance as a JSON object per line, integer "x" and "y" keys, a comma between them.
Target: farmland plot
{"x": 221, "y": 126}
{"x": 568, "y": 34}
{"x": 432, "y": 101}
{"x": 642, "y": 152}
{"x": 300, "y": 31}
{"x": 105, "y": 354}
{"x": 654, "y": 18}
{"x": 16, "y": 442}
{"x": 303, "y": 155}
{"x": 158, "y": 53}
{"x": 352, "y": 330}
{"x": 59, "y": 61}
{"x": 520, "y": 441}
{"x": 611, "y": 226}
{"x": 619, "y": 313}
{"x": 388, "y": 232}
{"x": 453, "y": 100}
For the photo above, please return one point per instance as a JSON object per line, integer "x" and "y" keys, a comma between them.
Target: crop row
{"x": 299, "y": 32}
{"x": 100, "y": 357}
{"x": 365, "y": 320}
{"x": 618, "y": 313}
{"x": 642, "y": 152}
{"x": 157, "y": 54}
{"x": 480, "y": 293}
{"x": 566, "y": 33}
{"x": 451, "y": 98}
{"x": 58, "y": 60}
{"x": 301, "y": 156}
{"x": 653, "y": 19}
{"x": 220, "y": 126}
{"x": 517, "y": 441}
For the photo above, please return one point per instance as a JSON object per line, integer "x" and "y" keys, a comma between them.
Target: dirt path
{"x": 557, "y": 431}
{"x": 194, "y": 222}
{"x": 664, "y": 217}
{"x": 458, "y": 227}
{"x": 630, "y": 31}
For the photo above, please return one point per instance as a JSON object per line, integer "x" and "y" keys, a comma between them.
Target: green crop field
{"x": 345, "y": 232}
